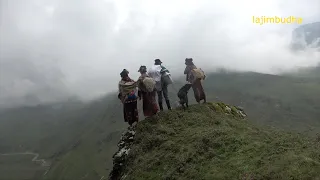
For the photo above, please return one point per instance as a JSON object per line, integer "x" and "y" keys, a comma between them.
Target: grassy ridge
{"x": 204, "y": 144}
{"x": 67, "y": 133}
{"x": 291, "y": 103}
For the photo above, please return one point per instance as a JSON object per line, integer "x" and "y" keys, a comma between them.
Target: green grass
{"x": 291, "y": 103}
{"x": 91, "y": 158}
{"x": 202, "y": 143}
{"x": 20, "y": 167}
{"x": 80, "y": 138}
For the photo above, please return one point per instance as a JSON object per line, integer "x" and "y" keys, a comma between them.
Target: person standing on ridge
{"x": 194, "y": 77}
{"x": 158, "y": 72}
{"x": 147, "y": 92}
{"x": 128, "y": 96}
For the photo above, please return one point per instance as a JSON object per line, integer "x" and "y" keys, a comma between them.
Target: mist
{"x": 51, "y": 50}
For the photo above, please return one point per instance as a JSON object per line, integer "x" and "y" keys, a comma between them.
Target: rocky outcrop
{"x": 228, "y": 109}
{"x": 120, "y": 156}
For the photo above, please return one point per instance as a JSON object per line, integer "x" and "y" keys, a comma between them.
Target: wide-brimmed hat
{"x": 124, "y": 72}
{"x": 189, "y": 59}
{"x": 142, "y": 69}
{"x": 157, "y": 60}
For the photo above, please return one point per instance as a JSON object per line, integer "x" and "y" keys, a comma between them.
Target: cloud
{"x": 52, "y": 49}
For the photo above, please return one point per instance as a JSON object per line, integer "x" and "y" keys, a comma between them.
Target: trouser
{"x": 164, "y": 91}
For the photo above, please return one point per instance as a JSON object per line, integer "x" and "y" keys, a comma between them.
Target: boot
{"x": 168, "y": 104}
{"x": 160, "y": 106}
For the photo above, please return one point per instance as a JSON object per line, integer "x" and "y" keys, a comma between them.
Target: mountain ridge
{"x": 65, "y": 133}
{"x": 212, "y": 141}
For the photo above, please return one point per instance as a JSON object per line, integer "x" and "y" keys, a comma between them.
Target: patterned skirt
{"x": 130, "y": 111}
{"x": 150, "y": 106}
{"x": 198, "y": 90}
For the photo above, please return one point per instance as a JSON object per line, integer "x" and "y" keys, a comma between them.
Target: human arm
{"x": 119, "y": 92}
{"x": 139, "y": 83}
{"x": 139, "y": 94}
{"x": 187, "y": 70}
{"x": 164, "y": 70}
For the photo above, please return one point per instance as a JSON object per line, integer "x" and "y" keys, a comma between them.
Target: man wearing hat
{"x": 197, "y": 87}
{"x": 156, "y": 72}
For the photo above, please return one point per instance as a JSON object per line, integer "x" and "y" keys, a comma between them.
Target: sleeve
{"x": 164, "y": 69}
{"x": 119, "y": 94}
{"x": 139, "y": 84}
{"x": 186, "y": 70}
{"x": 119, "y": 90}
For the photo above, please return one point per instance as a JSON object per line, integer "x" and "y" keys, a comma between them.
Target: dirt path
{"x": 34, "y": 159}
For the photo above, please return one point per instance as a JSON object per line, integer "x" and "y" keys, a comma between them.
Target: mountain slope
{"x": 208, "y": 142}
{"x": 307, "y": 72}
{"x": 90, "y": 156}
{"x": 291, "y": 103}
{"x": 79, "y": 139}
{"x": 62, "y": 134}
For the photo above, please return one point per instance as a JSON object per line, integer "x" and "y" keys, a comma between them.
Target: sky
{"x": 54, "y": 49}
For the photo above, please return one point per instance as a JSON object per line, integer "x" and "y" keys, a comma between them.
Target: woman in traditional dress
{"x": 196, "y": 82}
{"x": 127, "y": 95}
{"x": 150, "y": 107}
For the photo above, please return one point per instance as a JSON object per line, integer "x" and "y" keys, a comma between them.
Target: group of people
{"x": 152, "y": 82}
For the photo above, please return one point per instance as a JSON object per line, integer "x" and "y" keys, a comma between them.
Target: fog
{"x": 54, "y": 49}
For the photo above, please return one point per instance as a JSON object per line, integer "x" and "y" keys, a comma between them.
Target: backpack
{"x": 130, "y": 90}
{"x": 149, "y": 83}
{"x": 166, "y": 78}
{"x": 132, "y": 95}
{"x": 198, "y": 73}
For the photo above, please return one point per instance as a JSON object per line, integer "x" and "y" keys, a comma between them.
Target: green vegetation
{"x": 80, "y": 138}
{"x": 201, "y": 143}
{"x": 69, "y": 135}
{"x": 291, "y": 103}
{"x": 308, "y": 72}
{"x": 11, "y": 168}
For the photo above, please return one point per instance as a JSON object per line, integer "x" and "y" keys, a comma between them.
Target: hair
{"x": 124, "y": 73}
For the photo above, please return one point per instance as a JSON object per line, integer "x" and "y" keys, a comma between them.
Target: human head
{"x": 142, "y": 69}
{"x": 124, "y": 73}
{"x": 188, "y": 61}
{"x": 157, "y": 62}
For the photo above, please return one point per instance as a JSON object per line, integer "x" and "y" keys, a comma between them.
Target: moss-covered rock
{"x": 221, "y": 107}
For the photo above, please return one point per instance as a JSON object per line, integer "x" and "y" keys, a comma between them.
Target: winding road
{"x": 34, "y": 159}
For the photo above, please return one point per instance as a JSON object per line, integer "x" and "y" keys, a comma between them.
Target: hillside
{"x": 307, "y": 72}
{"x": 213, "y": 142}
{"x": 55, "y": 131}
{"x": 288, "y": 102}
{"x": 78, "y": 139}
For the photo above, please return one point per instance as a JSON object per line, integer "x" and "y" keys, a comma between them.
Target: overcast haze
{"x": 52, "y": 49}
